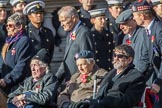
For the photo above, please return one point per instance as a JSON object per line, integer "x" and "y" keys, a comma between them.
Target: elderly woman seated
{"x": 39, "y": 90}
{"x": 81, "y": 83}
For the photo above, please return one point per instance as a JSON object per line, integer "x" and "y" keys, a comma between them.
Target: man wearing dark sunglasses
{"x": 122, "y": 87}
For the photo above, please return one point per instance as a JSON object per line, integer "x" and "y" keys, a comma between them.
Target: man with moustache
{"x": 122, "y": 87}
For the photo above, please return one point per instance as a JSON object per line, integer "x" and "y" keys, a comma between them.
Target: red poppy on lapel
{"x": 139, "y": 0}
{"x": 37, "y": 87}
{"x": 152, "y": 38}
{"x": 85, "y": 78}
{"x": 13, "y": 51}
{"x": 72, "y": 36}
{"x": 128, "y": 41}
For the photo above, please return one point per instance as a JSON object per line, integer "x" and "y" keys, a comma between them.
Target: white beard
{"x": 117, "y": 65}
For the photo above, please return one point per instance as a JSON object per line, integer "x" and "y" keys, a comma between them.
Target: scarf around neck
{"x": 10, "y": 40}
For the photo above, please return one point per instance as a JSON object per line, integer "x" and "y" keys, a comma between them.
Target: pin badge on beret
{"x": 38, "y": 6}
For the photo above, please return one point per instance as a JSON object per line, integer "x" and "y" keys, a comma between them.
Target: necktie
{"x": 147, "y": 32}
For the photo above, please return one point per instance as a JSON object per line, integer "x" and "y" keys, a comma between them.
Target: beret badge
{"x": 38, "y": 6}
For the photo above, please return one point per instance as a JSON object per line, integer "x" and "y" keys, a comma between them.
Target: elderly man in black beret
{"x": 136, "y": 37}
{"x": 39, "y": 90}
{"x": 122, "y": 87}
{"x": 143, "y": 15}
{"x": 81, "y": 83}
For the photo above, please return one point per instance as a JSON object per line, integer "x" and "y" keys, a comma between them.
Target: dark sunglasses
{"x": 120, "y": 55}
{"x": 10, "y": 25}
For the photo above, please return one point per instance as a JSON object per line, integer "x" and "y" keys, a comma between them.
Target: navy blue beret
{"x": 84, "y": 54}
{"x": 140, "y": 5}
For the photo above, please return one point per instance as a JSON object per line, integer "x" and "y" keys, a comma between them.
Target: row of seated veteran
{"x": 121, "y": 87}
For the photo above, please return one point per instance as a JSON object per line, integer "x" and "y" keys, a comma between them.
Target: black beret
{"x": 43, "y": 56}
{"x": 140, "y": 5}
{"x": 84, "y": 54}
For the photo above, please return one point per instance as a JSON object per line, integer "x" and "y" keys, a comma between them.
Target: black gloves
{"x": 81, "y": 104}
{"x": 65, "y": 105}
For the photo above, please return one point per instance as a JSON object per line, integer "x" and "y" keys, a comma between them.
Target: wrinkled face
{"x": 67, "y": 23}
{"x": 100, "y": 21}
{"x": 137, "y": 17}
{"x": 115, "y": 11}
{"x": 36, "y": 17}
{"x": 19, "y": 7}
{"x": 12, "y": 29}
{"x": 37, "y": 70}
{"x": 83, "y": 66}
{"x": 127, "y": 26}
{"x": 3, "y": 15}
{"x": 120, "y": 60}
{"x": 158, "y": 10}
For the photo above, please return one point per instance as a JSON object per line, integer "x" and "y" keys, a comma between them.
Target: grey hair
{"x": 17, "y": 18}
{"x": 128, "y": 50}
{"x": 44, "y": 65}
{"x": 90, "y": 60}
{"x": 68, "y": 11}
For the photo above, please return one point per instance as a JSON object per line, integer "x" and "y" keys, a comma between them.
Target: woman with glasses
{"x": 16, "y": 54}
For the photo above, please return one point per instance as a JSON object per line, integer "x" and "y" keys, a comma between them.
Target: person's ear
{"x": 29, "y": 17}
{"x": 130, "y": 59}
{"x": 20, "y": 27}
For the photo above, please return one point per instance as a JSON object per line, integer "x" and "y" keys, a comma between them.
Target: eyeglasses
{"x": 120, "y": 55}
{"x": 10, "y": 25}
